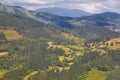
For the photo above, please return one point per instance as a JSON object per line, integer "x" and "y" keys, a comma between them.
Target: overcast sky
{"x": 92, "y": 6}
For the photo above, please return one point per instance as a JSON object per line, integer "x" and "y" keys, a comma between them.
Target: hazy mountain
{"x": 84, "y": 27}
{"x": 104, "y": 16}
{"x": 104, "y": 19}
{"x": 64, "y": 12}
{"x": 110, "y": 20}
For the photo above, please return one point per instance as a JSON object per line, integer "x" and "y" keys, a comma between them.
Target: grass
{"x": 66, "y": 49}
{"x": 61, "y": 58}
{"x": 74, "y": 38}
{"x": 70, "y": 51}
{"x": 4, "y": 53}
{"x": 95, "y": 74}
{"x": 51, "y": 68}
{"x": 69, "y": 58}
{"x": 30, "y": 75}
{"x": 76, "y": 47}
{"x": 114, "y": 44}
{"x": 2, "y": 73}
{"x": 71, "y": 63}
{"x": 16, "y": 67}
{"x": 114, "y": 47}
{"x": 115, "y": 40}
{"x": 11, "y": 34}
{"x": 79, "y": 41}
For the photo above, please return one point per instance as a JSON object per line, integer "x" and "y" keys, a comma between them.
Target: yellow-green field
{"x": 30, "y": 75}
{"x": 4, "y": 53}
{"x": 95, "y": 74}
{"x": 70, "y": 51}
{"x": 66, "y": 49}
{"x": 2, "y": 73}
{"x": 61, "y": 58}
{"x": 114, "y": 44}
{"x": 11, "y": 34}
{"x": 77, "y": 40}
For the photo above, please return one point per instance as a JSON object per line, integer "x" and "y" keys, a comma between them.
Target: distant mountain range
{"x": 98, "y": 26}
{"x": 43, "y": 46}
{"x": 64, "y": 12}
{"x": 108, "y": 20}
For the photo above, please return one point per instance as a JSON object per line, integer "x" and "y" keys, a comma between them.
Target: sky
{"x": 91, "y": 6}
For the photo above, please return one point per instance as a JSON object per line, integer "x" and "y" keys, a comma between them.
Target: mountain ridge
{"x": 64, "y": 12}
{"x": 79, "y": 26}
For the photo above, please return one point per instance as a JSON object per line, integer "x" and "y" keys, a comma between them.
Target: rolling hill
{"x": 51, "y": 47}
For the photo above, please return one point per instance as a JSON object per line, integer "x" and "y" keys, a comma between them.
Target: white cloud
{"x": 92, "y": 6}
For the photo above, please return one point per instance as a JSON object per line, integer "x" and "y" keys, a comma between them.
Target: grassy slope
{"x": 30, "y": 75}
{"x": 11, "y": 34}
{"x": 113, "y": 44}
{"x": 95, "y": 74}
{"x": 79, "y": 44}
{"x": 4, "y": 53}
{"x": 71, "y": 51}
{"x": 2, "y": 73}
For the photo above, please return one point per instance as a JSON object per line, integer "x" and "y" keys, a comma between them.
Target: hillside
{"x": 87, "y": 27}
{"x": 31, "y": 49}
{"x": 24, "y": 24}
{"x": 81, "y": 27}
{"x": 39, "y": 51}
{"x": 24, "y": 43}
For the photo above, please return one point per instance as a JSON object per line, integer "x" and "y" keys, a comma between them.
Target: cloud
{"x": 92, "y": 6}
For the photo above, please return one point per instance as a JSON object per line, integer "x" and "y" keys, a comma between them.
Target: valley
{"x": 43, "y": 46}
